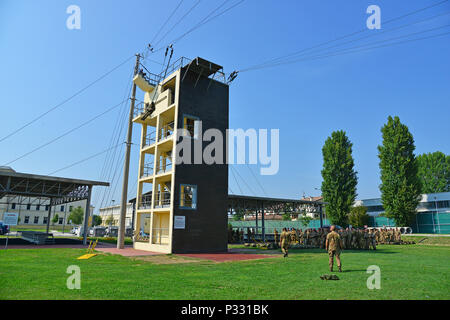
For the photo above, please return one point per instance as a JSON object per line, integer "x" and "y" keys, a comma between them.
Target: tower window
{"x": 188, "y": 196}
{"x": 192, "y": 125}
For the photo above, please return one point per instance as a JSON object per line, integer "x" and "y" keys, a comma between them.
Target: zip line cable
{"x": 357, "y": 39}
{"x": 257, "y": 180}
{"x": 83, "y": 160}
{"x": 204, "y": 21}
{"x": 348, "y": 50}
{"x": 243, "y": 180}
{"x": 342, "y": 37}
{"x": 165, "y": 23}
{"x": 178, "y": 22}
{"x": 65, "y": 134}
{"x": 115, "y": 164}
{"x": 66, "y": 100}
{"x": 115, "y": 128}
{"x": 121, "y": 117}
{"x": 235, "y": 179}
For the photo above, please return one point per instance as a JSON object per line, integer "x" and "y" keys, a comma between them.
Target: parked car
{"x": 80, "y": 231}
{"x": 112, "y": 231}
{"x": 97, "y": 231}
{"x": 74, "y": 230}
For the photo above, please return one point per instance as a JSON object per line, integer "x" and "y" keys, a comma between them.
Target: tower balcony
{"x": 147, "y": 170}
{"x": 149, "y": 139}
{"x": 146, "y": 202}
{"x": 164, "y": 166}
{"x": 162, "y": 200}
{"x": 166, "y": 131}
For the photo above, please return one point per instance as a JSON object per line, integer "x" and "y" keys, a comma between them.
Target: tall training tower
{"x": 181, "y": 207}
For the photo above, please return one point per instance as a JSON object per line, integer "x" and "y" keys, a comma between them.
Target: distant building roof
{"x": 313, "y": 199}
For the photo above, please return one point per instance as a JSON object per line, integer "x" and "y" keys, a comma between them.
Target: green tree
{"x": 110, "y": 220}
{"x": 358, "y": 216}
{"x": 55, "y": 218}
{"x": 339, "y": 178}
{"x": 238, "y": 215}
{"x": 76, "y": 216}
{"x": 434, "y": 172}
{"x": 304, "y": 219}
{"x": 400, "y": 185}
{"x": 96, "y": 220}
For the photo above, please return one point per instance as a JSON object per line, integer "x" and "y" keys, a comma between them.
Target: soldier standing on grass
{"x": 276, "y": 237}
{"x": 284, "y": 242}
{"x": 334, "y": 246}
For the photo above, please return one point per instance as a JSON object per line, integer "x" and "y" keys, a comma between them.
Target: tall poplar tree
{"x": 400, "y": 185}
{"x": 434, "y": 172}
{"x": 339, "y": 178}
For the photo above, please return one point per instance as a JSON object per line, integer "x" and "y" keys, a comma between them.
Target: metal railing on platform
{"x": 166, "y": 131}
{"x": 147, "y": 170}
{"x": 162, "y": 199}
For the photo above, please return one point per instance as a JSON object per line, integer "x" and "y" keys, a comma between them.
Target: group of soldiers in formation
{"x": 362, "y": 239}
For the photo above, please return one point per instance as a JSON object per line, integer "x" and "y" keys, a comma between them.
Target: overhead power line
{"x": 66, "y": 100}
{"x": 65, "y": 134}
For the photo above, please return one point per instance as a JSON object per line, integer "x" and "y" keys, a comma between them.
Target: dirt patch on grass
{"x": 167, "y": 259}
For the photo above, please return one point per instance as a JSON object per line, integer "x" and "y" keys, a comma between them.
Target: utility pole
{"x": 126, "y": 166}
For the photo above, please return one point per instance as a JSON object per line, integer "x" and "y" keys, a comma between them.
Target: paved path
{"x": 127, "y": 251}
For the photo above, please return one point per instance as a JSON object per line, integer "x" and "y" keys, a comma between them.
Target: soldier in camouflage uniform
{"x": 276, "y": 238}
{"x": 284, "y": 242}
{"x": 306, "y": 237}
{"x": 372, "y": 240}
{"x": 334, "y": 246}
{"x": 349, "y": 238}
{"x": 313, "y": 236}
{"x": 301, "y": 237}
{"x": 293, "y": 235}
{"x": 344, "y": 238}
{"x": 366, "y": 237}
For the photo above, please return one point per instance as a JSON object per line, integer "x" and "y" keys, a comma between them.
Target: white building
{"x": 429, "y": 203}
{"x": 34, "y": 211}
{"x": 114, "y": 211}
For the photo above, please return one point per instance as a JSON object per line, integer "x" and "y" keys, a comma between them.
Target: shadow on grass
{"x": 345, "y": 271}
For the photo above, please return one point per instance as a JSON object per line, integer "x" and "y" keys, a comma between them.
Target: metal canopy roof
{"x": 203, "y": 67}
{"x": 59, "y": 190}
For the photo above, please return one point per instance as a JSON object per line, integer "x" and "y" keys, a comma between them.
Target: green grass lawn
{"x": 407, "y": 272}
{"x": 427, "y": 240}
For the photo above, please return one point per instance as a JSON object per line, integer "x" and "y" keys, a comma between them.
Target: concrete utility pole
{"x": 126, "y": 166}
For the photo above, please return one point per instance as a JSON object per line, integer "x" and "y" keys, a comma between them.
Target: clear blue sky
{"x": 42, "y": 63}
